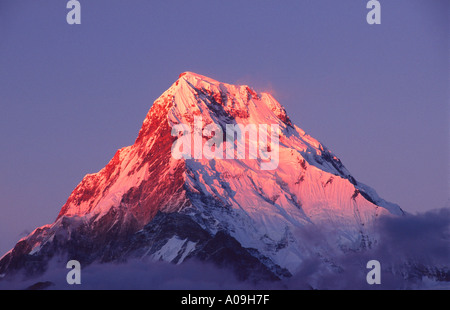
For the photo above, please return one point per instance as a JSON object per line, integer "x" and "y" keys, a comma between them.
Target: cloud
{"x": 137, "y": 274}
{"x": 413, "y": 250}
{"x": 424, "y": 237}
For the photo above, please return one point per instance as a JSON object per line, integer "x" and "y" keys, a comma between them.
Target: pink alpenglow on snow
{"x": 190, "y": 142}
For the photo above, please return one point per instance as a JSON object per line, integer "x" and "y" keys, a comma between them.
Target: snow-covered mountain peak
{"x": 128, "y": 207}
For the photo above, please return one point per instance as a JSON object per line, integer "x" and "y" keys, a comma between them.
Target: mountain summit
{"x": 147, "y": 202}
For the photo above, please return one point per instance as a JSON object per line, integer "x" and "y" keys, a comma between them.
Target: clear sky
{"x": 71, "y": 95}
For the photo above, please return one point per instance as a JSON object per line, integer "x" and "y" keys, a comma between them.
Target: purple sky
{"x": 70, "y": 96}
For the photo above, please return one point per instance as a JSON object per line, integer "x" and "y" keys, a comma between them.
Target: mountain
{"x": 249, "y": 214}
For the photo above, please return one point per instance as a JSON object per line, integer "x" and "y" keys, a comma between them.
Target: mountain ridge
{"x": 255, "y": 215}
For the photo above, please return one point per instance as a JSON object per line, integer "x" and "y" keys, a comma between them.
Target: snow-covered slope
{"x": 145, "y": 202}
